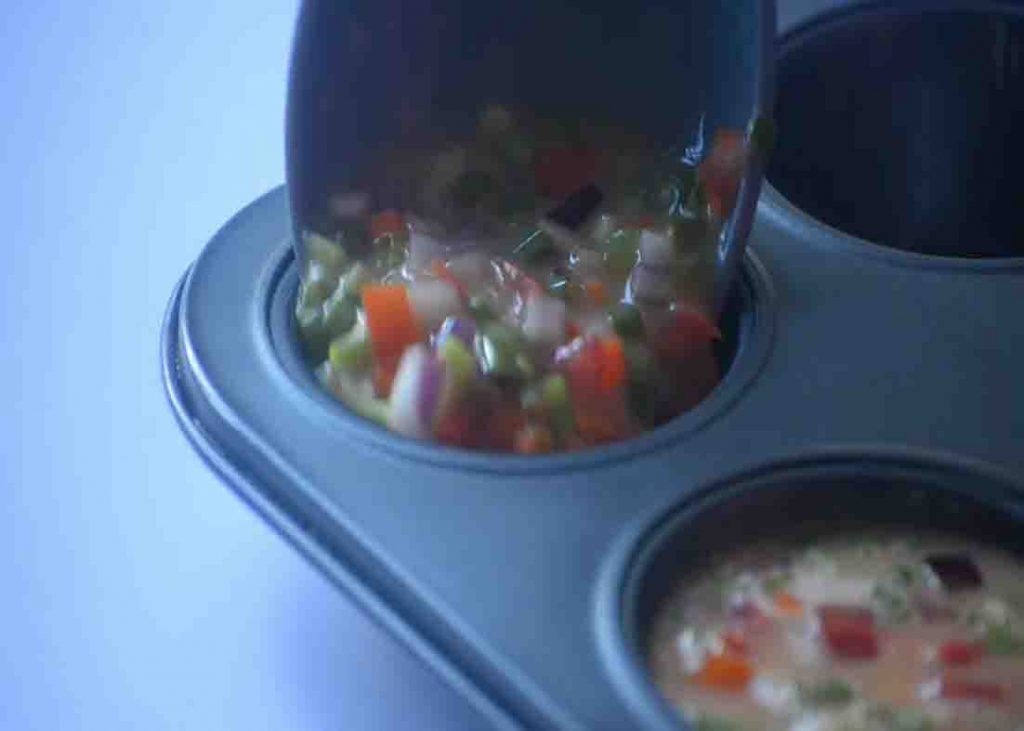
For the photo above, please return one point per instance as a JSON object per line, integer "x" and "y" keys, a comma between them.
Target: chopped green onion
{"x": 554, "y": 392}
{"x": 535, "y": 248}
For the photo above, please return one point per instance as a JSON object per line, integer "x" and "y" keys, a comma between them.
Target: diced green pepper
{"x": 314, "y": 289}
{"x": 620, "y": 250}
{"x": 627, "y": 321}
{"x": 892, "y": 601}
{"x": 339, "y": 313}
{"x": 902, "y": 719}
{"x": 832, "y": 692}
{"x": 329, "y": 254}
{"x": 354, "y": 279}
{"x": 642, "y": 386}
{"x": 689, "y": 233}
{"x": 481, "y": 309}
{"x": 554, "y": 393}
{"x": 775, "y": 582}
{"x": 502, "y": 352}
{"x": 312, "y": 333}
{"x": 350, "y": 352}
{"x": 458, "y": 359}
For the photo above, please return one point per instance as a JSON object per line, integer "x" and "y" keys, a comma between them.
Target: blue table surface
{"x": 139, "y": 592}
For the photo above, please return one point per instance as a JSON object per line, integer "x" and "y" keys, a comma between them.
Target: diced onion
{"x": 544, "y": 320}
{"x": 651, "y": 284}
{"x": 433, "y": 300}
{"x": 655, "y": 248}
{"x": 423, "y": 250}
{"x": 404, "y": 412}
{"x": 473, "y": 268}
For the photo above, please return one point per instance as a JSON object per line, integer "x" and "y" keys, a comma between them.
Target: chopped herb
{"x": 891, "y": 601}
{"x": 707, "y": 722}
{"x": 1000, "y": 639}
{"x": 902, "y": 719}
{"x": 775, "y": 582}
{"x": 832, "y": 692}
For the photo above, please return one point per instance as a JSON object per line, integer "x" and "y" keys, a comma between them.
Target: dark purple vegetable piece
{"x": 956, "y": 571}
{"x": 577, "y": 207}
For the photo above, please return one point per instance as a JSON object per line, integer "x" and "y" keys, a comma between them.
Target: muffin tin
{"x": 870, "y": 379}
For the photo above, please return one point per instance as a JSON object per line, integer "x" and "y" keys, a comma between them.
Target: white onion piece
{"x": 433, "y": 300}
{"x": 655, "y": 248}
{"x": 473, "y": 268}
{"x": 651, "y": 284}
{"x": 404, "y": 405}
{"x": 544, "y": 320}
{"x": 423, "y": 249}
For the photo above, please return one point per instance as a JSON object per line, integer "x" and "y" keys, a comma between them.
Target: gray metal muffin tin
{"x": 507, "y": 574}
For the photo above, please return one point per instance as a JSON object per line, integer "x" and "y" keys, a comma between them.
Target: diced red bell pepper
{"x": 454, "y": 426}
{"x": 735, "y": 642}
{"x": 686, "y": 330}
{"x": 721, "y": 169}
{"x": 504, "y": 420}
{"x": 961, "y": 652}
{"x": 561, "y": 171}
{"x": 849, "y": 632}
{"x": 972, "y": 690}
{"x": 596, "y": 376}
{"x": 386, "y": 222}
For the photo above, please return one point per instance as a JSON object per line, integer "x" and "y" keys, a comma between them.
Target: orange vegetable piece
{"x": 392, "y": 328}
{"x": 596, "y": 291}
{"x": 725, "y": 672}
{"x": 613, "y": 364}
{"x": 787, "y": 604}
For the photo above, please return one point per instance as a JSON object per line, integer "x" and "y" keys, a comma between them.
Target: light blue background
{"x": 138, "y": 592}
